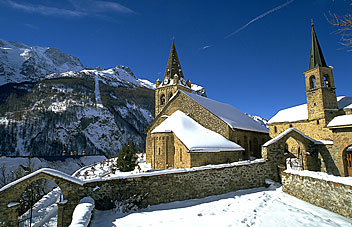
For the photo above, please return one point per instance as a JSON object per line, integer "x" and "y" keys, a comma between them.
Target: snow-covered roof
{"x": 287, "y": 131}
{"x": 300, "y": 112}
{"x": 194, "y": 136}
{"x": 340, "y": 121}
{"x": 48, "y": 171}
{"x": 229, "y": 114}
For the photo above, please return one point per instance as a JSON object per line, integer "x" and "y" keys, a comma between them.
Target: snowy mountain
{"x": 20, "y": 62}
{"x": 259, "y": 119}
{"x": 85, "y": 112}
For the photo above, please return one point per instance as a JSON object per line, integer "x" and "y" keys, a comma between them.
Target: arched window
{"x": 162, "y": 99}
{"x": 312, "y": 82}
{"x": 170, "y": 95}
{"x": 326, "y": 81}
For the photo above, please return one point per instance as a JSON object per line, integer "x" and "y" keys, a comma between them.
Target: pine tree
{"x": 126, "y": 159}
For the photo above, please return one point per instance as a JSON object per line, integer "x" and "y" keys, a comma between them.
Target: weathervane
{"x": 312, "y": 22}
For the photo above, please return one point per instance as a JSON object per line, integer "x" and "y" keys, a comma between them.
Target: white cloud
{"x": 259, "y": 17}
{"x": 100, "y": 6}
{"x": 44, "y": 10}
{"x": 81, "y": 8}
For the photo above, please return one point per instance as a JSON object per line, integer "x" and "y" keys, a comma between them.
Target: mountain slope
{"x": 73, "y": 115}
{"x": 20, "y": 62}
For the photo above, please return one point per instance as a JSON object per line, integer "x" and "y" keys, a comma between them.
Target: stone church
{"x": 192, "y": 130}
{"x": 320, "y": 131}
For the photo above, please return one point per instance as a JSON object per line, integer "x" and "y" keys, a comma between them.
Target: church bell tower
{"x": 173, "y": 81}
{"x": 320, "y": 86}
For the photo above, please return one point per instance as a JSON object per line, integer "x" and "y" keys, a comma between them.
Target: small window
{"x": 312, "y": 82}
{"x": 275, "y": 129}
{"x": 159, "y": 151}
{"x": 162, "y": 99}
{"x": 290, "y": 125}
{"x": 317, "y": 122}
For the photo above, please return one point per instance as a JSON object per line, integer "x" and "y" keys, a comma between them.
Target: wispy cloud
{"x": 31, "y": 26}
{"x": 80, "y": 8}
{"x": 93, "y": 6}
{"x": 205, "y": 47}
{"x": 259, "y": 17}
{"x": 44, "y": 10}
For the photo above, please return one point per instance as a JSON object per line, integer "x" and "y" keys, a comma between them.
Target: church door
{"x": 349, "y": 163}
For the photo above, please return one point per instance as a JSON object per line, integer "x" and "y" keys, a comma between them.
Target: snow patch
{"x": 344, "y": 120}
{"x": 321, "y": 176}
{"x": 82, "y": 213}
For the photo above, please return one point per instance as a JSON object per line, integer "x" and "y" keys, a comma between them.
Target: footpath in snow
{"x": 251, "y": 207}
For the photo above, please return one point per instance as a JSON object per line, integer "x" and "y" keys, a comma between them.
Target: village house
{"x": 192, "y": 130}
{"x": 325, "y": 120}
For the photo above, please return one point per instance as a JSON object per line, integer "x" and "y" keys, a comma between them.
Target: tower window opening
{"x": 290, "y": 125}
{"x": 275, "y": 129}
{"x": 326, "y": 81}
{"x": 312, "y": 82}
{"x": 159, "y": 151}
{"x": 162, "y": 99}
{"x": 317, "y": 122}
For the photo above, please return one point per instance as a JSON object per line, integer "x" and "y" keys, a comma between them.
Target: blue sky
{"x": 256, "y": 50}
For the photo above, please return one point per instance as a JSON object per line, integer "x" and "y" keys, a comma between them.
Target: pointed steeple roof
{"x": 173, "y": 65}
{"x": 316, "y": 55}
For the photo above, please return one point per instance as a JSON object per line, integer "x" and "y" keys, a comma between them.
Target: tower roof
{"x": 173, "y": 65}
{"x": 316, "y": 55}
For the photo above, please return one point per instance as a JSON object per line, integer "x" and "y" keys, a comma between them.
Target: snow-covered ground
{"x": 251, "y": 207}
{"x": 106, "y": 169}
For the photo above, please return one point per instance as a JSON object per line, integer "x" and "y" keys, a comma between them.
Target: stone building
{"x": 324, "y": 119}
{"x": 179, "y": 111}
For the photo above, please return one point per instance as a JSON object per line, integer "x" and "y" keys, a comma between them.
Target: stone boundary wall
{"x": 181, "y": 185}
{"x": 333, "y": 196}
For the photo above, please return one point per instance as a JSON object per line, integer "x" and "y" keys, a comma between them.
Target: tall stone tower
{"x": 173, "y": 81}
{"x": 320, "y": 86}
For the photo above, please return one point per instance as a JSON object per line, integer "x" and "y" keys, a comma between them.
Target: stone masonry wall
{"x": 182, "y": 185}
{"x": 332, "y": 196}
{"x": 206, "y": 158}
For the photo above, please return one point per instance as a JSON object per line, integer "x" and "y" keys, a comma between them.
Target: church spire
{"x": 173, "y": 66}
{"x": 316, "y": 55}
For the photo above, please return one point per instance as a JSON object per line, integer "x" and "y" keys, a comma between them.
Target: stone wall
{"x": 206, "y": 158}
{"x": 329, "y": 195}
{"x": 183, "y": 184}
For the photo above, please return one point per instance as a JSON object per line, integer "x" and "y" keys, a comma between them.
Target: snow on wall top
{"x": 284, "y": 133}
{"x": 229, "y": 114}
{"x": 194, "y": 136}
{"x": 343, "y": 120}
{"x": 300, "y": 112}
{"x": 321, "y": 176}
{"x": 52, "y": 172}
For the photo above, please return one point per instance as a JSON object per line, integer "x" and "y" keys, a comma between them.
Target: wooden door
{"x": 349, "y": 163}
